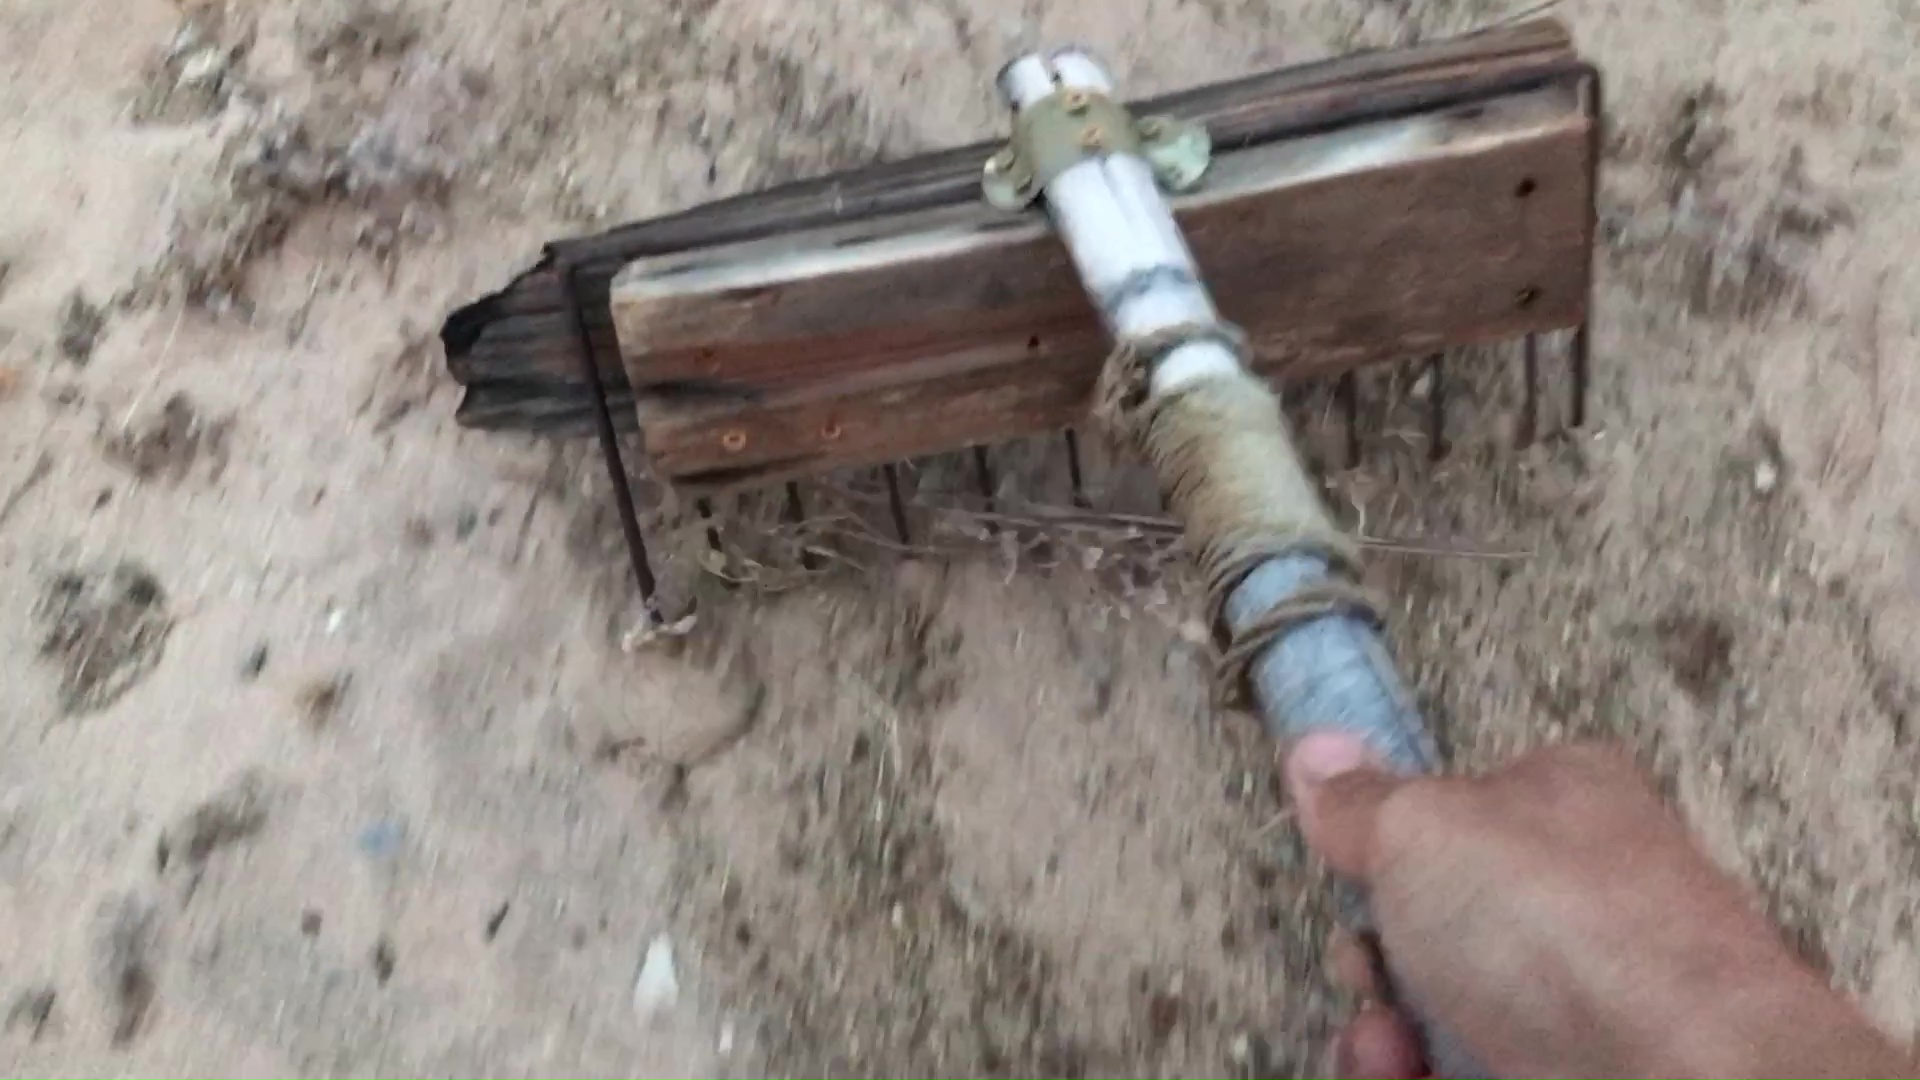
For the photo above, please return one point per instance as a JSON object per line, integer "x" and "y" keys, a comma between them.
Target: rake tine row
{"x": 1347, "y": 396}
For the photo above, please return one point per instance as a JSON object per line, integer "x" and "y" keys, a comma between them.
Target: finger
{"x": 1351, "y": 962}
{"x": 1338, "y": 787}
{"x": 1378, "y": 1044}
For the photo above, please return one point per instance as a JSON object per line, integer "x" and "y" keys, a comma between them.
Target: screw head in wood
{"x": 1152, "y": 127}
{"x": 831, "y": 431}
{"x": 1074, "y": 101}
{"x": 1001, "y": 162}
{"x": 1093, "y": 138}
{"x": 733, "y": 441}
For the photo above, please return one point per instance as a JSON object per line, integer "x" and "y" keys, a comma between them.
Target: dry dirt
{"x": 321, "y": 753}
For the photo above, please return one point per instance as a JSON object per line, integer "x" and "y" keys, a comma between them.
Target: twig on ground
{"x": 41, "y": 469}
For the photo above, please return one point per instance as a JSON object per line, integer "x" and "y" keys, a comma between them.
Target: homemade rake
{"x": 1385, "y": 207}
{"x": 1390, "y": 206}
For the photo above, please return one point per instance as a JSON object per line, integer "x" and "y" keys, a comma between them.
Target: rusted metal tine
{"x": 797, "y": 516}
{"x": 1580, "y": 350}
{"x": 705, "y": 507}
{"x": 1073, "y": 469}
{"x": 1581, "y": 363}
{"x": 610, "y": 445}
{"x": 1437, "y": 407}
{"x": 897, "y": 504}
{"x": 983, "y": 476}
{"x": 1349, "y": 394}
{"x": 1530, "y": 416}
{"x": 989, "y": 493}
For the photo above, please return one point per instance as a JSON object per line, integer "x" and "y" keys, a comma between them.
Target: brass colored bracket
{"x": 1071, "y": 126}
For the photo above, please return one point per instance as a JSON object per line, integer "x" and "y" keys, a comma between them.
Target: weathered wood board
{"x": 925, "y": 332}
{"x": 515, "y": 350}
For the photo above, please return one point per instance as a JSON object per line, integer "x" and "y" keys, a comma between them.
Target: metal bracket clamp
{"x": 1073, "y": 125}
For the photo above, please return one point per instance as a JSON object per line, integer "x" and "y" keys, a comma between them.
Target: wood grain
{"x": 859, "y": 344}
{"x": 514, "y": 349}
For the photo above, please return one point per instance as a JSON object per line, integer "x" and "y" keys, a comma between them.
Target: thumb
{"x": 1338, "y": 787}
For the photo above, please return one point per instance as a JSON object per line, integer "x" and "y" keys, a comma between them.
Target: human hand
{"x": 1556, "y": 918}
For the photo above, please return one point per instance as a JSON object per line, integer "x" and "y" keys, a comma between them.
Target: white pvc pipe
{"x": 1125, "y": 244}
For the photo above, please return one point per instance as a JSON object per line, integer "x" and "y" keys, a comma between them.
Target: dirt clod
{"x": 32, "y": 1011}
{"x": 1163, "y": 1016}
{"x": 167, "y": 444}
{"x": 125, "y": 947}
{"x": 104, "y": 630}
{"x": 81, "y": 323}
{"x": 496, "y": 920}
{"x": 383, "y": 959}
{"x": 255, "y": 663}
{"x": 236, "y": 813}
{"x": 356, "y": 34}
{"x": 319, "y": 701}
{"x": 1698, "y": 650}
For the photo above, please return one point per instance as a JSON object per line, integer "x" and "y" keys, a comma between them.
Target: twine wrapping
{"x": 1227, "y": 463}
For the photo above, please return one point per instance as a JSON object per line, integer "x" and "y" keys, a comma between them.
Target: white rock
{"x": 1423, "y": 386}
{"x": 1766, "y": 476}
{"x": 648, "y": 634}
{"x": 726, "y": 1037}
{"x": 187, "y": 40}
{"x": 203, "y": 69}
{"x": 658, "y": 987}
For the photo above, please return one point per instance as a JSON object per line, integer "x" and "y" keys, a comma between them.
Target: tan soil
{"x": 321, "y": 753}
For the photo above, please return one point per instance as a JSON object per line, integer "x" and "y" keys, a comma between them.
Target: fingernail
{"x": 1319, "y": 758}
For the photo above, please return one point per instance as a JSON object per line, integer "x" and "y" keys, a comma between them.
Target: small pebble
{"x": 383, "y": 959}
{"x": 381, "y": 839}
{"x": 254, "y": 664}
{"x": 32, "y": 1010}
{"x": 205, "y": 68}
{"x": 1766, "y": 476}
{"x": 658, "y": 986}
{"x": 1423, "y": 386}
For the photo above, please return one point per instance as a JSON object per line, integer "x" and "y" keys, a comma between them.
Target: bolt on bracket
{"x": 1071, "y": 126}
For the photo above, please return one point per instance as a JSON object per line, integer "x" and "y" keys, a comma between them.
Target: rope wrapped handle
{"x": 1258, "y": 519}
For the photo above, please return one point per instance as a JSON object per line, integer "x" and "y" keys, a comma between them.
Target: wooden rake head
{"x": 1380, "y": 208}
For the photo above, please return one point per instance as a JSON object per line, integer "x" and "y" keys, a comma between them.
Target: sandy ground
{"x": 320, "y": 752}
